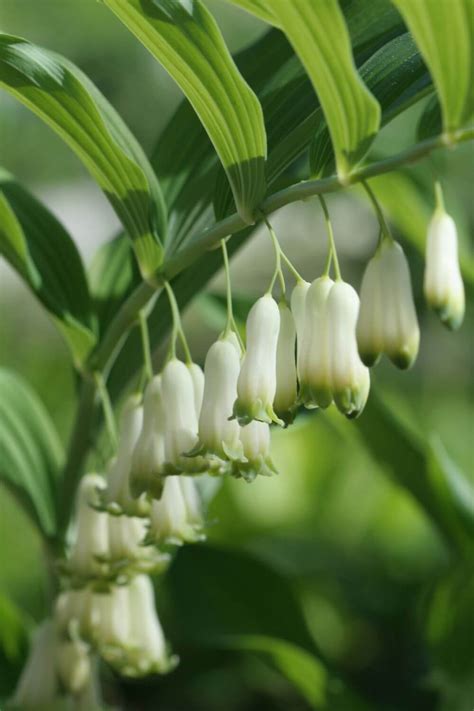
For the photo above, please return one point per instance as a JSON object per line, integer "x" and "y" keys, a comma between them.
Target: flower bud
{"x": 91, "y": 546}
{"x": 349, "y": 378}
{"x": 443, "y": 285}
{"x": 256, "y": 385}
{"x": 38, "y": 683}
{"x": 387, "y": 318}
{"x": 286, "y": 387}
{"x": 315, "y": 360}
{"x": 118, "y": 496}
{"x": 180, "y": 417}
{"x": 298, "y": 309}
{"x": 176, "y": 517}
{"x": 218, "y": 435}
{"x": 146, "y": 634}
{"x": 73, "y": 665}
{"x": 148, "y": 459}
{"x": 255, "y": 438}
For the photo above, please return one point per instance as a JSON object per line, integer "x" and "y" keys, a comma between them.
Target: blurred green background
{"x": 335, "y": 551}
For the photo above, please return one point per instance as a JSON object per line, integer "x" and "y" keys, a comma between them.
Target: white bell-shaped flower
{"x": 38, "y": 686}
{"x": 256, "y": 386}
{"x": 117, "y": 496}
{"x": 387, "y": 320}
{"x": 146, "y": 635}
{"x": 298, "y": 309}
{"x": 74, "y": 613}
{"x": 73, "y": 665}
{"x": 315, "y": 360}
{"x": 91, "y": 546}
{"x": 197, "y": 377}
{"x": 284, "y": 403}
{"x": 148, "y": 460}
{"x": 218, "y": 434}
{"x": 180, "y": 412}
{"x": 112, "y": 632}
{"x": 349, "y": 377}
{"x": 255, "y": 438}
{"x": 177, "y": 516}
{"x": 127, "y": 552}
{"x": 443, "y": 285}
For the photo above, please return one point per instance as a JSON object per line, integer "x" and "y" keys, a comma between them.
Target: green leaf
{"x": 237, "y": 602}
{"x": 60, "y": 94}
{"x": 423, "y": 469}
{"x": 397, "y": 77}
{"x": 31, "y": 454}
{"x": 185, "y": 39}
{"x": 444, "y": 32}
{"x": 113, "y": 274}
{"x": 13, "y": 630}
{"x": 38, "y": 247}
{"x": 320, "y": 37}
{"x": 259, "y": 8}
{"x": 430, "y": 123}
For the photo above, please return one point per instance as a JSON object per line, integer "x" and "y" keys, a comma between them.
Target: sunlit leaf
{"x": 444, "y": 32}
{"x": 60, "y": 94}
{"x": 259, "y": 8}
{"x": 38, "y": 247}
{"x": 319, "y": 35}
{"x": 31, "y": 455}
{"x": 184, "y": 37}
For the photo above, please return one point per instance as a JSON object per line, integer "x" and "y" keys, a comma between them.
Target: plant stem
{"x": 384, "y": 228}
{"x": 177, "y": 326}
{"x": 331, "y": 243}
{"x": 228, "y": 287}
{"x": 147, "y": 366}
{"x": 107, "y": 408}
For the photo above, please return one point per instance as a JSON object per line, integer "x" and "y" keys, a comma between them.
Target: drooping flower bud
{"x": 286, "y": 388}
{"x": 117, "y": 496}
{"x": 38, "y": 683}
{"x": 256, "y": 385}
{"x": 73, "y": 665}
{"x": 443, "y": 285}
{"x": 91, "y": 546}
{"x": 176, "y": 517}
{"x": 315, "y": 359}
{"x": 180, "y": 416}
{"x": 387, "y": 317}
{"x": 148, "y": 459}
{"x": 219, "y": 435}
{"x": 255, "y": 438}
{"x": 149, "y": 653}
{"x": 349, "y": 377}
{"x": 298, "y": 309}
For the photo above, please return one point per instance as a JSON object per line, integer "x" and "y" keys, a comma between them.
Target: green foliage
{"x": 66, "y": 100}
{"x": 38, "y": 247}
{"x": 187, "y": 41}
{"x": 320, "y": 38}
{"x": 444, "y": 32}
{"x": 31, "y": 455}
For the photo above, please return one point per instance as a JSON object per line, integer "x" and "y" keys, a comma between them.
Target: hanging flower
{"x": 197, "y": 376}
{"x": 286, "y": 386}
{"x": 181, "y": 422}
{"x": 256, "y": 385}
{"x": 148, "y": 651}
{"x": 387, "y": 318}
{"x": 177, "y": 517}
{"x": 112, "y": 632}
{"x": 117, "y": 497}
{"x": 73, "y": 665}
{"x": 38, "y": 684}
{"x": 349, "y": 379}
{"x": 443, "y": 285}
{"x": 255, "y": 438}
{"x": 315, "y": 359}
{"x": 148, "y": 459}
{"x": 90, "y": 549}
{"x": 298, "y": 309}
{"x": 75, "y": 614}
{"x": 218, "y": 434}
{"x": 127, "y": 553}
